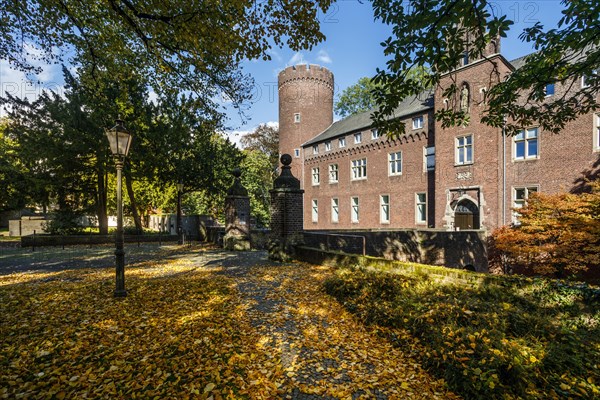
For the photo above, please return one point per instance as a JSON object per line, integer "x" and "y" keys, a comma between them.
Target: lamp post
{"x": 120, "y": 140}
{"x": 179, "y": 224}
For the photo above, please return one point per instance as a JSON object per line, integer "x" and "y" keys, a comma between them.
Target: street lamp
{"x": 179, "y": 227}
{"x": 120, "y": 140}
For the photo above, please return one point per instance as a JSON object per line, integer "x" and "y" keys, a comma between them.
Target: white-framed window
{"x": 359, "y": 169}
{"x": 342, "y": 142}
{"x": 297, "y": 118}
{"x": 526, "y": 144}
{"x": 429, "y": 158}
{"x": 421, "y": 208}
{"x": 315, "y": 210}
{"x": 375, "y": 134}
{"x": 549, "y": 89}
{"x": 417, "y": 122}
{"x": 316, "y": 177}
{"x": 597, "y": 132}
{"x": 335, "y": 210}
{"x": 354, "y": 209}
{"x": 357, "y": 137}
{"x": 296, "y": 153}
{"x": 395, "y": 163}
{"x": 328, "y": 146}
{"x": 464, "y": 150}
{"x": 384, "y": 208}
{"x": 315, "y": 149}
{"x": 585, "y": 79}
{"x": 333, "y": 173}
{"x": 520, "y": 196}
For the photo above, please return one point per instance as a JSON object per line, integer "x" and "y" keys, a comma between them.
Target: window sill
{"x": 334, "y": 182}
{"x": 464, "y": 165}
{"x": 525, "y": 159}
{"x": 399, "y": 174}
{"x": 358, "y": 179}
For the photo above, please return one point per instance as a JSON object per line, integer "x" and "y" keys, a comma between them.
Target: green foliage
{"x": 557, "y": 235}
{"x": 356, "y": 98}
{"x": 64, "y": 222}
{"x": 521, "y": 339}
{"x": 265, "y": 139}
{"x": 436, "y": 34}
{"x": 257, "y": 178}
{"x": 12, "y": 181}
{"x": 179, "y": 45}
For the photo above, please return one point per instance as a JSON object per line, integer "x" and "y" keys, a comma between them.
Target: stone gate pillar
{"x": 237, "y": 216}
{"x": 287, "y": 222}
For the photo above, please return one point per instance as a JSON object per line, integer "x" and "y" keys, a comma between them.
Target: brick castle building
{"x": 464, "y": 177}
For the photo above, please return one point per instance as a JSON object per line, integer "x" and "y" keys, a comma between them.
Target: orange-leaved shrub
{"x": 558, "y": 234}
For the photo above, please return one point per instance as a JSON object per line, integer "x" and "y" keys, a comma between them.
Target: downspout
{"x": 504, "y": 172}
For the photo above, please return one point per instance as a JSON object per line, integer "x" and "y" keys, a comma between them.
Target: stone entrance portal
{"x": 466, "y": 215}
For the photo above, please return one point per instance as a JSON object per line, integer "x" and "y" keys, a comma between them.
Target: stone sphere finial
{"x": 286, "y": 159}
{"x": 237, "y": 172}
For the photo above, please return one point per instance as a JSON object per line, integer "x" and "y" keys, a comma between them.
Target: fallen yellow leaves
{"x": 186, "y": 332}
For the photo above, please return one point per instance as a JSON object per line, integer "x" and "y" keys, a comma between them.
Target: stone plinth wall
{"x": 462, "y": 249}
{"x": 26, "y": 226}
{"x": 193, "y": 225}
{"x": 258, "y": 237}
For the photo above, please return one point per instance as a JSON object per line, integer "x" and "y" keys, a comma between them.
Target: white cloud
{"x": 323, "y": 56}
{"x": 297, "y": 58}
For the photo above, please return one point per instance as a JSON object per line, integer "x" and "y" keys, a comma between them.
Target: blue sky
{"x": 351, "y": 50}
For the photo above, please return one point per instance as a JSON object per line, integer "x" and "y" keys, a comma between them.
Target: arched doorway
{"x": 466, "y": 215}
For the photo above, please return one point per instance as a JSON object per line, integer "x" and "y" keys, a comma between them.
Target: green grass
{"x": 517, "y": 338}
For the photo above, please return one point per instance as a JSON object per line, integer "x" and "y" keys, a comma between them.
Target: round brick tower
{"x": 305, "y": 108}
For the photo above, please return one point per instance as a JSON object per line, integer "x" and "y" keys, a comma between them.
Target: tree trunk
{"x": 134, "y": 210}
{"x": 101, "y": 203}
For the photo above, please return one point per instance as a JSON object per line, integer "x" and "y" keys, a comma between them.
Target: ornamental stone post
{"x": 287, "y": 224}
{"x": 237, "y": 216}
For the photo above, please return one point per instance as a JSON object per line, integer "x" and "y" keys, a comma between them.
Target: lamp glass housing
{"x": 119, "y": 139}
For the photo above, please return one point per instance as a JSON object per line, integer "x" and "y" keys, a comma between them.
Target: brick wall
{"x": 286, "y": 212}
{"x": 401, "y": 188}
{"x": 306, "y": 90}
{"x": 462, "y": 250}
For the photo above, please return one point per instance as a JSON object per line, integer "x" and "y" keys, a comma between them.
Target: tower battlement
{"x": 297, "y": 74}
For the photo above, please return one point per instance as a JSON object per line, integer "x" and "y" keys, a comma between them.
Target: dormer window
{"x": 549, "y": 90}
{"x": 327, "y": 146}
{"x": 297, "y": 118}
{"x": 357, "y": 138}
{"x": 316, "y": 149}
{"x": 417, "y": 122}
{"x": 375, "y": 134}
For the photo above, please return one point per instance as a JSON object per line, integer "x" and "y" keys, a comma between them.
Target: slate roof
{"x": 519, "y": 62}
{"x": 360, "y": 121}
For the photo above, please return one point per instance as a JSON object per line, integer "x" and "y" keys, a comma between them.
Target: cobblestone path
{"x": 323, "y": 351}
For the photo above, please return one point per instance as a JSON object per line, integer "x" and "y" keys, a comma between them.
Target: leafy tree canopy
{"x": 265, "y": 139}
{"x": 177, "y": 44}
{"x": 361, "y": 96}
{"x": 435, "y": 33}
